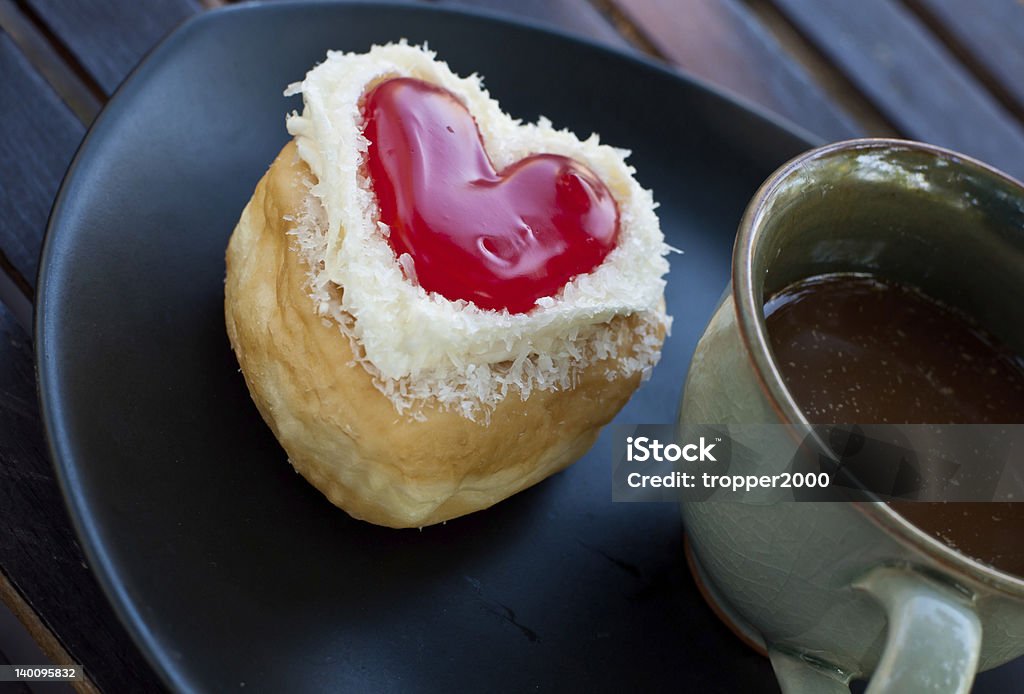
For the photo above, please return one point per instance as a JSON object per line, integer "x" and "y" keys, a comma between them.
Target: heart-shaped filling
{"x": 498, "y": 239}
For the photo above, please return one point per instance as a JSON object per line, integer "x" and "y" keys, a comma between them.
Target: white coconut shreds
{"x": 420, "y": 346}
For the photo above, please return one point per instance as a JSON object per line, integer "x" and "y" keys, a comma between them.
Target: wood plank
{"x": 989, "y": 36}
{"x": 38, "y": 140}
{"x": 109, "y": 38}
{"x": 35, "y": 644}
{"x": 912, "y": 78}
{"x": 83, "y": 101}
{"x": 574, "y": 16}
{"x": 837, "y": 87}
{"x": 722, "y": 42}
{"x": 14, "y": 296}
{"x": 38, "y": 549}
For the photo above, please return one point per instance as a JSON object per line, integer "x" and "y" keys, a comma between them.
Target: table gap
{"x": 723, "y": 44}
{"x": 16, "y": 294}
{"x": 625, "y": 26}
{"x": 48, "y": 54}
{"x": 44, "y": 637}
{"x": 967, "y": 57}
{"x": 822, "y": 70}
{"x": 911, "y": 76}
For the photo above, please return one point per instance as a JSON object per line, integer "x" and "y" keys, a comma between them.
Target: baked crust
{"x": 345, "y": 436}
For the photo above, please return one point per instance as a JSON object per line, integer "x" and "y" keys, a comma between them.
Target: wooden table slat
{"x": 912, "y": 78}
{"x": 723, "y": 43}
{"x": 573, "y": 16}
{"x": 48, "y": 62}
{"x": 109, "y": 38}
{"x": 14, "y": 299}
{"x": 36, "y": 644}
{"x": 991, "y": 32}
{"x": 39, "y": 552}
{"x": 40, "y": 136}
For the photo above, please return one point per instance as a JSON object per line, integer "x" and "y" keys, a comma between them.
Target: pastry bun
{"x": 414, "y": 443}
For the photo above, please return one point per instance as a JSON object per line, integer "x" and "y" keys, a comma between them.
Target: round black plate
{"x": 230, "y": 570}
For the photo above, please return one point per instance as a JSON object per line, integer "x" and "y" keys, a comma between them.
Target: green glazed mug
{"x": 839, "y": 591}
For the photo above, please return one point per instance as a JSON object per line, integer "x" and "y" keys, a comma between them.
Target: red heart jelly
{"x": 498, "y": 239}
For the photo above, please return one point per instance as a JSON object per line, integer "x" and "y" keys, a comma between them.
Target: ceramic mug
{"x": 838, "y": 591}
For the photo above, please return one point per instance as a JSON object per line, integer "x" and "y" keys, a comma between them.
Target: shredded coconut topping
{"x": 419, "y": 346}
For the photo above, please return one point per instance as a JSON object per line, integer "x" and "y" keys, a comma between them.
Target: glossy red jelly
{"x": 501, "y": 240}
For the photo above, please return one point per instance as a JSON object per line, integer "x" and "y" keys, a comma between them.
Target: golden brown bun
{"x": 341, "y": 433}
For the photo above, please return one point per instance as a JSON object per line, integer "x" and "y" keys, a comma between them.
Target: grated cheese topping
{"x": 420, "y": 346}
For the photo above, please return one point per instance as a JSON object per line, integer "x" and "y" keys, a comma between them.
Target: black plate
{"x": 225, "y": 565}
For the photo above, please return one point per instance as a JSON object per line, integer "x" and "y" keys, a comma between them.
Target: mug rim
{"x": 753, "y": 332}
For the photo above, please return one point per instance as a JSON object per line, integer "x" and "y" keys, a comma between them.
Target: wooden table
{"x": 949, "y": 72}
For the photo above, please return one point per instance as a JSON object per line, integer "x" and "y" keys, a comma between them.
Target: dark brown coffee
{"x": 856, "y": 349}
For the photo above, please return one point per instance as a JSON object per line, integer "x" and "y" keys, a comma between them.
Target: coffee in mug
{"x": 855, "y": 348}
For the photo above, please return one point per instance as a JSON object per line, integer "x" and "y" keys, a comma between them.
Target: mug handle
{"x": 934, "y": 636}
{"x": 932, "y": 642}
